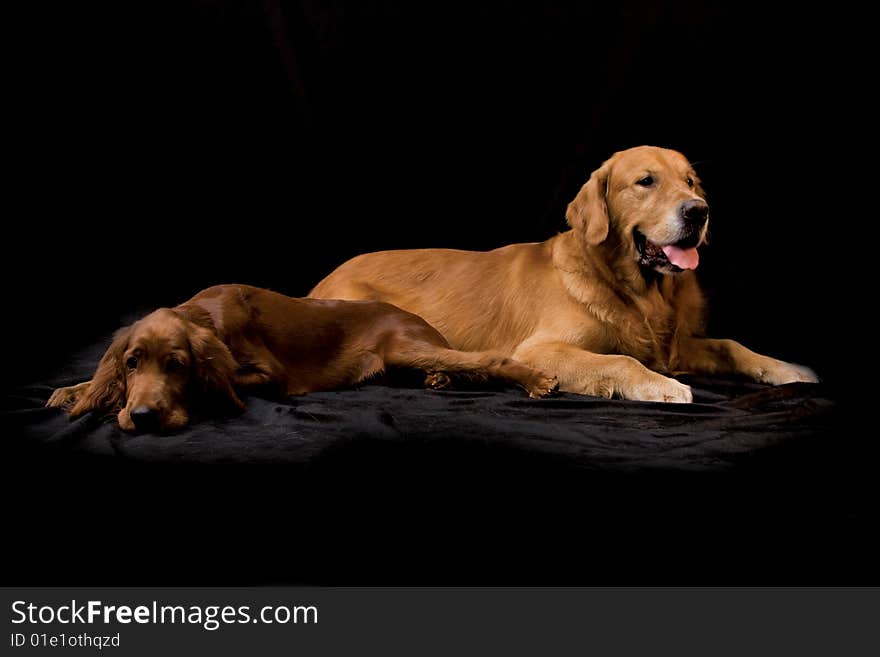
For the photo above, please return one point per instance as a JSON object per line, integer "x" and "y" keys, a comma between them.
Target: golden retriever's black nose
{"x": 144, "y": 418}
{"x": 694, "y": 213}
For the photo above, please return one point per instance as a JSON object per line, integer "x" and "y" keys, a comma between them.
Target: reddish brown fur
{"x": 232, "y": 337}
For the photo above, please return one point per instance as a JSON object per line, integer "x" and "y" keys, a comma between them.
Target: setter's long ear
{"x": 106, "y": 391}
{"x": 588, "y": 212}
{"x": 214, "y": 366}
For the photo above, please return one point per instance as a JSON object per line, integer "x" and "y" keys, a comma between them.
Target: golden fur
{"x": 582, "y": 305}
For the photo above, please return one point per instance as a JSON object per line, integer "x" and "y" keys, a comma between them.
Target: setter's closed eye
{"x": 173, "y": 365}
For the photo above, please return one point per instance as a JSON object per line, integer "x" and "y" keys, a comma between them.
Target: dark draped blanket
{"x": 728, "y": 422}
{"x": 406, "y": 485}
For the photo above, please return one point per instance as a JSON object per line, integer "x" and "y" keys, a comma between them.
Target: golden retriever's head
{"x": 155, "y": 368}
{"x": 648, "y": 204}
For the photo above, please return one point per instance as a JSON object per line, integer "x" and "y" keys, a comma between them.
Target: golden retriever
{"x": 612, "y": 306}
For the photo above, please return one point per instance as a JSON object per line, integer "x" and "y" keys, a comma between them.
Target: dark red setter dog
{"x": 233, "y": 337}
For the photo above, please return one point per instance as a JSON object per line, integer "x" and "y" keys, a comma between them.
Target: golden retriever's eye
{"x": 690, "y": 181}
{"x": 647, "y": 181}
{"x": 132, "y": 363}
{"x": 173, "y": 365}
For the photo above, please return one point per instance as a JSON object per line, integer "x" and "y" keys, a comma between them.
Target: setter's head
{"x": 155, "y": 369}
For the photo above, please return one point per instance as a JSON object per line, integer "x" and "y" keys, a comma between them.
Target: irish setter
{"x": 230, "y": 338}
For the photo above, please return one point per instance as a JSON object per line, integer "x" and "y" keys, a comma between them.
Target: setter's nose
{"x": 694, "y": 213}
{"x": 145, "y": 418}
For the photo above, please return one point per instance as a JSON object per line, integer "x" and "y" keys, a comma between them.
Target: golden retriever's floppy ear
{"x": 588, "y": 212}
{"x": 214, "y": 366}
{"x": 106, "y": 392}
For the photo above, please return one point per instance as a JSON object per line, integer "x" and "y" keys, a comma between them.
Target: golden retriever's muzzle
{"x": 679, "y": 254}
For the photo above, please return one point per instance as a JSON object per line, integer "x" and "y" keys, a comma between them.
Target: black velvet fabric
{"x": 728, "y": 421}
{"x": 401, "y": 485}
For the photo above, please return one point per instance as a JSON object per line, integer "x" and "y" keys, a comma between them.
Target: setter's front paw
{"x": 66, "y": 397}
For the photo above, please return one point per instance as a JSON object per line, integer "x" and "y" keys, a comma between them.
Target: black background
{"x": 165, "y": 147}
{"x": 161, "y": 147}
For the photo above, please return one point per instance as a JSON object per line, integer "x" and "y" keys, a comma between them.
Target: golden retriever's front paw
{"x": 659, "y": 388}
{"x": 542, "y": 385}
{"x": 66, "y": 397}
{"x": 778, "y": 372}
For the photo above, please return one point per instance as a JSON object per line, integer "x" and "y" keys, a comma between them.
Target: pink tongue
{"x": 682, "y": 258}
